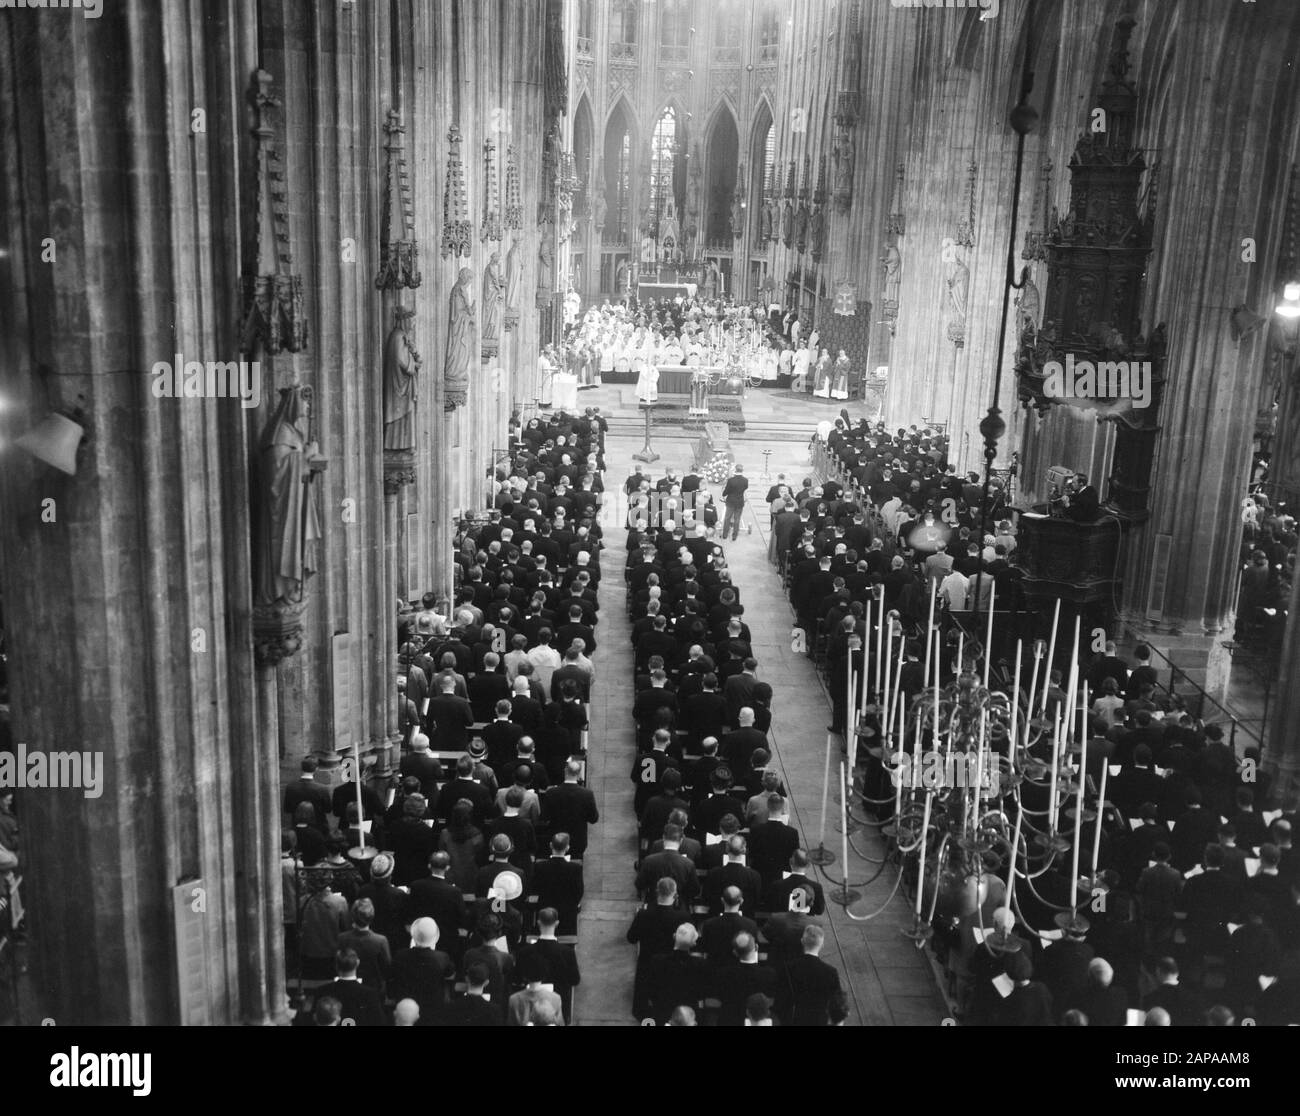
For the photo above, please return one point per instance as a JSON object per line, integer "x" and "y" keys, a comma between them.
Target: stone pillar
{"x": 1282, "y": 752}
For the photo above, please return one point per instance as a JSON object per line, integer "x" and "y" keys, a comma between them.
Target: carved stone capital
{"x": 277, "y": 631}
{"x": 399, "y": 469}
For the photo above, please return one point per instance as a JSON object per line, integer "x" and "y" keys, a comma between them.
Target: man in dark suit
{"x": 741, "y": 743}
{"x": 1209, "y": 900}
{"x": 796, "y": 892}
{"x": 735, "y": 983}
{"x": 718, "y": 933}
{"x": 738, "y": 690}
{"x": 803, "y": 997}
{"x": 706, "y": 712}
{"x": 306, "y": 789}
{"x": 1029, "y": 1003}
{"x": 1064, "y": 968}
{"x": 557, "y": 882}
{"x": 436, "y": 897}
{"x": 559, "y": 960}
{"x": 423, "y": 766}
{"x": 1183, "y": 1005}
{"x": 733, "y": 873}
{"x": 733, "y": 495}
{"x": 669, "y": 862}
{"x": 526, "y": 710}
{"x": 472, "y": 1009}
{"x": 773, "y": 843}
{"x": 486, "y": 688}
{"x": 361, "y": 1003}
{"x": 502, "y": 738}
{"x": 466, "y": 786}
{"x": 707, "y": 817}
{"x": 423, "y": 972}
{"x": 449, "y": 717}
{"x": 570, "y": 808}
{"x": 678, "y": 977}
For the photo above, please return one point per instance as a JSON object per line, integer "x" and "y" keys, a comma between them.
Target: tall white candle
{"x": 1101, "y": 810}
{"x": 1015, "y": 704}
{"x": 988, "y": 639}
{"x": 920, "y": 863}
{"x": 1078, "y": 830}
{"x": 1056, "y": 756}
{"x": 1051, "y": 654}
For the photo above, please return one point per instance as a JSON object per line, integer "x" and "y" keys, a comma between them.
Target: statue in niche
{"x": 737, "y": 217}
{"x": 787, "y": 223}
{"x": 816, "y": 231}
{"x": 599, "y": 206}
{"x": 844, "y": 165}
{"x": 493, "y": 292}
{"x": 767, "y": 229}
{"x": 288, "y": 521}
{"x": 892, "y": 263}
{"x": 401, "y": 372}
{"x": 1028, "y": 307}
{"x": 710, "y": 280}
{"x": 461, "y": 341}
{"x": 546, "y": 256}
{"x": 958, "y": 290}
{"x": 514, "y": 274}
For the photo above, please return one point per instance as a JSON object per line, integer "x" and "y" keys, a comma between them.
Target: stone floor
{"x": 890, "y": 982}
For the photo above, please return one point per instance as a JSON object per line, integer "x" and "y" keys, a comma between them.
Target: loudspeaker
{"x": 54, "y": 440}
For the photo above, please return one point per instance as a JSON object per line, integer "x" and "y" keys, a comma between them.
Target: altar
{"x": 665, "y": 290}
{"x": 675, "y": 379}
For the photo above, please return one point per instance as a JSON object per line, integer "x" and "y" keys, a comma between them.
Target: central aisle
{"x": 889, "y": 980}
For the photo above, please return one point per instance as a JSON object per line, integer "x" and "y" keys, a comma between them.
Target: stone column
{"x": 1282, "y": 752}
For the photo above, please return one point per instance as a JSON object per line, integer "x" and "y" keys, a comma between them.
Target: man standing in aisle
{"x": 733, "y": 495}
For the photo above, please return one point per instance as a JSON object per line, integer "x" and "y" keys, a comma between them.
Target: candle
{"x": 1083, "y": 714}
{"x": 1056, "y": 755}
{"x": 1033, "y": 688}
{"x": 889, "y": 646}
{"x": 844, "y": 824}
{"x": 866, "y": 647}
{"x": 929, "y": 627}
{"x": 1073, "y": 688}
{"x": 1051, "y": 653}
{"x": 961, "y": 651}
{"x": 1101, "y": 810}
{"x": 920, "y": 863}
{"x": 850, "y": 713}
{"x": 880, "y": 630}
{"x": 1015, "y": 852}
{"x": 988, "y": 639}
{"x": 361, "y": 832}
{"x": 1015, "y": 704}
{"x": 826, "y": 790}
{"x": 1078, "y": 831}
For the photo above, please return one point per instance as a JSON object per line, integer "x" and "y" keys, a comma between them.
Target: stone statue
{"x": 288, "y": 521}
{"x": 892, "y": 262}
{"x": 599, "y": 206}
{"x": 844, "y": 165}
{"x": 710, "y": 280}
{"x": 493, "y": 292}
{"x": 401, "y": 371}
{"x": 737, "y": 217}
{"x": 1028, "y": 307}
{"x": 816, "y": 231}
{"x": 545, "y": 257}
{"x": 767, "y": 229}
{"x": 787, "y": 223}
{"x": 461, "y": 341}
{"x": 514, "y": 275}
